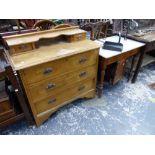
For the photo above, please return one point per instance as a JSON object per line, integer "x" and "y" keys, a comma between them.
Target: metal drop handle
{"x": 82, "y": 74}
{"x": 47, "y": 71}
{"x": 82, "y": 60}
{"x": 81, "y": 88}
{"x": 51, "y": 86}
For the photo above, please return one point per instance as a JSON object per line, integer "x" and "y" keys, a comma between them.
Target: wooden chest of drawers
{"x": 57, "y": 74}
{"x": 53, "y": 84}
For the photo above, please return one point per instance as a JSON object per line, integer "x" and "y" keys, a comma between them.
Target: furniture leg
{"x": 101, "y": 74}
{"x": 138, "y": 65}
{"x": 131, "y": 69}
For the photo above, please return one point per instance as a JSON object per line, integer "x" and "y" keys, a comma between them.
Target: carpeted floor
{"x": 124, "y": 109}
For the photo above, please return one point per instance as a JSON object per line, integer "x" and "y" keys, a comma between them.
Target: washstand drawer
{"x": 48, "y": 87}
{"x": 77, "y": 37}
{"x": 59, "y": 67}
{"x": 56, "y": 100}
{"x": 21, "y": 48}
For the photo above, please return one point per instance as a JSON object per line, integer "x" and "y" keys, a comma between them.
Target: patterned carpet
{"x": 124, "y": 109}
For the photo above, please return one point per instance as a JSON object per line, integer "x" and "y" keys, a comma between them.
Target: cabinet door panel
{"x": 119, "y": 71}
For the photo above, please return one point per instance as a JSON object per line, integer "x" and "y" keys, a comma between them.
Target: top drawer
{"x": 59, "y": 67}
{"x": 14, "y": 50}
{"x": 77, "y": 37}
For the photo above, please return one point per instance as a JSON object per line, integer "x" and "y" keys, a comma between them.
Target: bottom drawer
{"x": 119, "y": 71}
{"x": 56, "y": 100}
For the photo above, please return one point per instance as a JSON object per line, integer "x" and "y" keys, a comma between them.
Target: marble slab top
{"x": 128, "y": 45}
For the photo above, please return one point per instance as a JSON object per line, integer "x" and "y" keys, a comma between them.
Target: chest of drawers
{"x": 56, "y": 74}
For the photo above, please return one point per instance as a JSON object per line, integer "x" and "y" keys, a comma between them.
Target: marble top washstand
{"x": 128, "y": 45}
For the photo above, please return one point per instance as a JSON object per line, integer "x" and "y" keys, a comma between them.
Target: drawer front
{"x": 77, "y": 37}
{"x": 21, "y": 48}
{"x": 59, "y": 67}
{"x": 119, "y": 71}
{"x": 48, "y": 87}
{"x": 56, "y": 100}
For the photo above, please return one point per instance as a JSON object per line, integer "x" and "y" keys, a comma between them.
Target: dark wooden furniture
{"x": 97, "y": 29}
{"x": 17, "y": 32}
{"x": 12, "y": 103}
{"x": 6, "y": 108}
{"x": 149, "y": 40}
{"x": 8, "y": 112}
{"x": 27, "y": 23}
{"x": 44, "y": 25}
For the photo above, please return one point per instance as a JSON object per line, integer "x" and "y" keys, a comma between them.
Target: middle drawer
{"x": 48, "y": 87}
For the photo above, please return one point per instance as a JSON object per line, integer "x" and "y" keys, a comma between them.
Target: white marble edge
{"x": 128, "y": 45}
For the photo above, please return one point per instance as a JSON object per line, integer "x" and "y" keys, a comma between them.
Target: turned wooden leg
{"x": 140, "y": 60}
{"x": 131, "y": 68}
{"x": 101, "y": 74}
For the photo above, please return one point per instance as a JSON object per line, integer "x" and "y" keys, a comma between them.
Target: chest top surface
{"x": 128, "y": 45}
{"x": 49, "y": 53}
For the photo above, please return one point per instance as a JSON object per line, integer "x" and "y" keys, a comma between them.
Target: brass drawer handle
{"x": 47, "y": 71}
{"x": 82, "y": 74}
{"x": 51, "y": 86}
{"x": 81, "y": 88}
{"x": 83, "y": 60}
{"x": 52, "y": 100}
